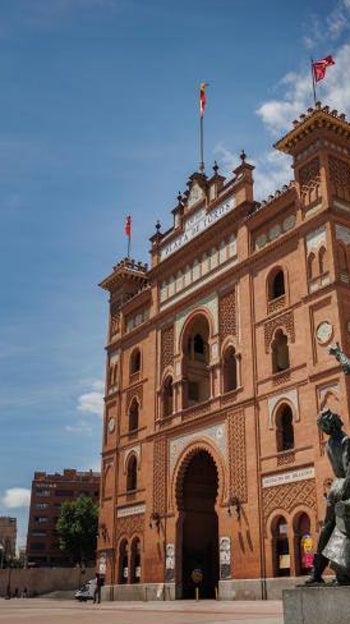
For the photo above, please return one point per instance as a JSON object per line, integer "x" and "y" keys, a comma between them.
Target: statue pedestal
{"x": 323, "y": 604}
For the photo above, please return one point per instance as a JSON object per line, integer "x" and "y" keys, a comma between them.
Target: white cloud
{"x": 92, "y": 402}
{"x": 81, "y": 427}
{"x": 330, "y": 28}
{"x": 16, "y": 497}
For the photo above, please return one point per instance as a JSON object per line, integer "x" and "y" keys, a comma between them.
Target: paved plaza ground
{"x": 44, "y": 611}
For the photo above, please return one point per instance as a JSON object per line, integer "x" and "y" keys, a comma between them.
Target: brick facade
{"x": 232, "y": 322}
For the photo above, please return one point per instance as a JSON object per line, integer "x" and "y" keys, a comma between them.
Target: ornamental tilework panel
{"x": 216, "y": 434}
{"x": 159, "y": 475}
{"x": 227, "y": 315}
{"x": 166, "y": 348}
{"x": 309, "y": 178}
{"x": 342, "y": 233}
{"x": 129, "y": 526}
{"x": 288, "y": 496}
{"x": 315, "y": 239}
{"x": 286, "y": 321}
{"x": 115, "y": 319}
{"x": 238, "y": 456}
{"x": 210, "y": 303}
{"x": 310, "y": 172}
{"x": 340, "y": 177}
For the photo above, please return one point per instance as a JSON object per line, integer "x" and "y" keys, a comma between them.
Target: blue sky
{"x": 98, "y": 119}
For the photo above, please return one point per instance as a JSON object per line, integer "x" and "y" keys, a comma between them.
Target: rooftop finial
{"x": 158, "y": 226}
{"x": 215, "y": 167}
{"x": 243, "y": 156}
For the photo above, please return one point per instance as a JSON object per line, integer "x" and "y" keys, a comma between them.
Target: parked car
{"x": 86, "y": 591}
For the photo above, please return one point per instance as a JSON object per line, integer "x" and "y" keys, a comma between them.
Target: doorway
{"x": 198, "y": 527}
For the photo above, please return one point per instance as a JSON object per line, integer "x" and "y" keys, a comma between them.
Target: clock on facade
{"x": 111, "y": 425}
{"x": 324, "y": 332}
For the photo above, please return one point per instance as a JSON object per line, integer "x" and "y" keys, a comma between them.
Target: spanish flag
{"x": 128, "y": 226}
{"x": 319, "y": 67}
{"x": 202, "y": 98}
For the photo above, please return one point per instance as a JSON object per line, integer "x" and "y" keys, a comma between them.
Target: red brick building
{"x": 49, "y": 491}
{"x": 8, "y": 537}
{"x": 217, "y": 366}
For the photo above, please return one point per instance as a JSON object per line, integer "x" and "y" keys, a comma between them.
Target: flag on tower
{"x": 319, "y": 67}
{"x": 128, "y": 226}
{"x": 202, "y": 98}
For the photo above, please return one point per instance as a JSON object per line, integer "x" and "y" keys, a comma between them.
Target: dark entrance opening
{"x": 200, "y": 549}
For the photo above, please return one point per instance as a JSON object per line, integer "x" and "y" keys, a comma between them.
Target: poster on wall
{"x": 225, "y": 557}
{"x": 306, "y": 551}
{"x": 170, "y": 563}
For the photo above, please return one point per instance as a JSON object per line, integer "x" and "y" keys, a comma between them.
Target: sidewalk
{"x": 43, "y": 611}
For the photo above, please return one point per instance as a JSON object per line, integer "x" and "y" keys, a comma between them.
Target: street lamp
{"x": 2, "y": 550}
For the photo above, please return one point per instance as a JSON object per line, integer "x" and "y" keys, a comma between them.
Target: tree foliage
{"x": 77, "y": 529}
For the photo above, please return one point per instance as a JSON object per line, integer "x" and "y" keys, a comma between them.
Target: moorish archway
{"x": 197, "y": 530}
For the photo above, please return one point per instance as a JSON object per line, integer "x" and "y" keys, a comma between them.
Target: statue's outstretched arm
{"x": 340, "y": 356}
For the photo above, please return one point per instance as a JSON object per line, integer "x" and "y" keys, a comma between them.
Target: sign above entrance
{"x": 197, "y": 223}
{"x": 288, "y": 477}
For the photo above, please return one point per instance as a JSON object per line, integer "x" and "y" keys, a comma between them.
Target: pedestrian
{"x": 97, "y": 591}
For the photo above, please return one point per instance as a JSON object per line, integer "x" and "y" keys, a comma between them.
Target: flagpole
{"x": 129, "y": 237}
{"x": 201, "y": 145}
{"x": 313, "y": 80}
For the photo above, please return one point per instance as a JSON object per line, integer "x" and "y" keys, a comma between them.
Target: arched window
{"x": 311, "y": 266}
{"x": 322, "y": 260}
{"x": 134, "y": 415}
{"x": 135, "y": 572}
{"x": 280, "y": 352}
{"x": 195, "y": 369}
{"x": 280, "y": 547}
{"x": 230, "y": 370}
{"x": 284, "y": 429}
{"x": 342, "y": 259}
{"x": 123, "y": 562}
{"x": 303, "y": 547}
{"x": 276, "y": 287}
{"x": 135, "y": 361}
{"x": 167, "y": 396}
{"x": 131, "y": 474}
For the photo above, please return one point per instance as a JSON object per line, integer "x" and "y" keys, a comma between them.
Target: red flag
{"x": 202, "y": 98}
{"x": 128, "y": 226}
{"x": 319, "y": 67}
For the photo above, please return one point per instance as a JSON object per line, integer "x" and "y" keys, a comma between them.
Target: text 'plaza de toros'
{"x": 213, "y": 469}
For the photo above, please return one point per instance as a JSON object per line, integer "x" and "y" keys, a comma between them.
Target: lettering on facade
{"x": 288, "y": 477}
{"x": 196, "y": 224}
{"x": 131, "y": 511}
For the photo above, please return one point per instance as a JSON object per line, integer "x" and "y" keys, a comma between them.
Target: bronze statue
{"x": 334, "y": 540}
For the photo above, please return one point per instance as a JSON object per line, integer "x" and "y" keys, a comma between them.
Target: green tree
{"x": 77, "y": 529}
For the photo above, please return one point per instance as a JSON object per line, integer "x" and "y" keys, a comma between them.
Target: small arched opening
{"x": 284, "y": 429}
{"x": 195, "y": 367}
{"x": 276, "y": 285}
{"x": 135, "y": 563}
{"x": 280, "y": 547}
{"x": 230, "y": 369}
{"x": 167, "y": 397}
{"x": 280, "y": 352}
{"x": 134, "y": 415}
{"x": 302, "y": 544}
{"x": 131, "y": 473}
{"x": 135, "y": 361}
{"x": 123, "y": 574}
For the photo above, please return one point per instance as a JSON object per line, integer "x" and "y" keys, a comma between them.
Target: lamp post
{"x": 2, "y": 550}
